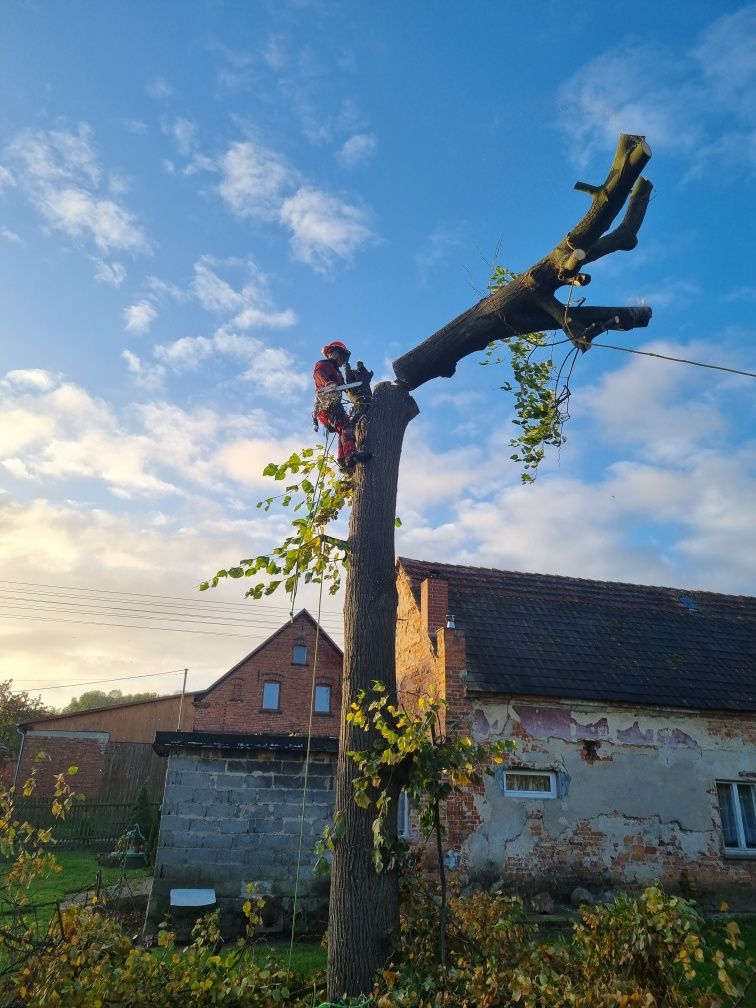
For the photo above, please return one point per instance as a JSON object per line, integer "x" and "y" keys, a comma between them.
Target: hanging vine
{"x": 540, "y": 406}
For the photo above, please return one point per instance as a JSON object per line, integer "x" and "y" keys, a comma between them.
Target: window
{"x": 322, "y": 699}
{"x": 271, "y": 695}
{"x": 403, "y": 815}
{"x": 737, "y": 808}
{"x": 299, "y": 654}
{"x": 529, "y": 783}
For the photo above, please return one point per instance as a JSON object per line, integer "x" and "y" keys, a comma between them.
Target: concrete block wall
{"x": 231, "y": 818}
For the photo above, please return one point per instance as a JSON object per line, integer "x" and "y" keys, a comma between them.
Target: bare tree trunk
{"x": 364, "y": 907}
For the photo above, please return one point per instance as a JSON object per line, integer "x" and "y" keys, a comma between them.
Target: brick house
{"x": 634, "y": 712}
{"x": 269, "y": 690}
{"x": 242, "y": 786}
{"x": 111, "y": 746}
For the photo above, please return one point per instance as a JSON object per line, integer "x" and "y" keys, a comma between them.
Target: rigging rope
{"x": 309, "y": 735}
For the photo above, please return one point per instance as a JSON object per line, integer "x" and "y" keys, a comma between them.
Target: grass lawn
{"x": 707, "y": 971}
{"x": 79, "y": 873}
{"x": 306, "y": 957}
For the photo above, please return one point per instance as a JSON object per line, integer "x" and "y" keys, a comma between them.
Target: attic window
{"x": 299, "y": 654}
{"x": 688, "y": 602}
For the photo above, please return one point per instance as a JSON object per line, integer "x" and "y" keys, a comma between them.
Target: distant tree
{"x": 17, "y": 706}
{"x": 97, "y": 698}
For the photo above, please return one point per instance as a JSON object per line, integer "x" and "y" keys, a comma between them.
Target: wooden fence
{"x": 89, "y": 825}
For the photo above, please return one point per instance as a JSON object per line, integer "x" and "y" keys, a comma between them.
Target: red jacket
{"x": 326, "y": 373}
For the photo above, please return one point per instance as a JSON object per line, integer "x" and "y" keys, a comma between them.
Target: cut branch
{"x": 528, "y": 304}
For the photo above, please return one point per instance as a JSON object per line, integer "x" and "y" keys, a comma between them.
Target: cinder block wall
{"x": 230, "y": 818}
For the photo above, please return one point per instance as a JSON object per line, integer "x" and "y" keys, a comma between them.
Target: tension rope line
{"x": 309, "y": 739}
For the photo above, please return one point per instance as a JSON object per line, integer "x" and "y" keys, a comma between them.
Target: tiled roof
{"x": 542, "y": 635}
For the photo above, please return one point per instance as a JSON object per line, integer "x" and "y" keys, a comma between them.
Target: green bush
{"x": 643, "y": 952}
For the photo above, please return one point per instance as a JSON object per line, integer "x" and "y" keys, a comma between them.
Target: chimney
{"x": 434, "y": 604}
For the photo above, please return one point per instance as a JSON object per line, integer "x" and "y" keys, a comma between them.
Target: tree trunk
{"x": 364, "y": 907}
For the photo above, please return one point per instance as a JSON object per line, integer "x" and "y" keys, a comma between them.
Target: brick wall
{"x": 418, "y": 671}
{"x": 235, "y": 702}
{"x": 233, "y": 818}
{"x": 88, "y": 752}
{"x": 107, "y": 771}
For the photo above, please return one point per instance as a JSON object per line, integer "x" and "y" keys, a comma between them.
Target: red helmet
{"x": 336, "y": 345}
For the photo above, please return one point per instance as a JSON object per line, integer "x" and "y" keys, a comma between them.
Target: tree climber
{"x": 329, "y": 382}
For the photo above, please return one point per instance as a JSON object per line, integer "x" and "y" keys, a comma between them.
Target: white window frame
{"x": 741, "y": 850}
{"x": 512, "y": 793}
{"x": 403, "y": 822}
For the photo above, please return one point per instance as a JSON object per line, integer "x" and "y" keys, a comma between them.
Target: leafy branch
{"x": 411, "y": 747}
{"x": 537, "y": 402}
{"x": 319, "y": 495}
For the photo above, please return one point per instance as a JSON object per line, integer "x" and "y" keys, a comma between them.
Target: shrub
{"x": 641, "y": 952}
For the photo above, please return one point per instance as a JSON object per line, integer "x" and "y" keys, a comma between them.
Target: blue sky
{"x": 195, "y": 196}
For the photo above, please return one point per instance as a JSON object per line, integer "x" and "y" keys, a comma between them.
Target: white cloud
{"x": 111, "y": 273}
{"x": 135, "y": 126}
{"x": 726, "y": 55}
{"x": 250, "y": 306}
{"x": 159, "y": 89}
{"x": 644, "y": 91}
{"x": 139, "y": 317}
{"x": 356, "y": 149}
{"x": 680, "y": 100}
{"x": 259, "y": 184}
{"x": 136, "y": 552}
{"x": 213, "y": 293}
{"x": 183, "y": 131}
{"x": 59, "y": 174}
{"x": 438, "y": 246}
{"x": 744, "y": 293}
{"x": 16, "y": 467}
{"x": 323, "y": 227}
{"x": 253, "y": 180}
{"x": 272, "y": 369}
{"x": 7, "y": 180}
{"x": 670, "y": 294}
{"x": 146, "y": 376}
{"x": 60, "y": 433}
{"x": 11, "y": 236}
{"x": 34, "y": 378}
{"x": 275, "y": 54}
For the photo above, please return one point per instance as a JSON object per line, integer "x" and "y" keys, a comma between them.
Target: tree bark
{"x": 528, "y": 303}
{"x": 364, "y": 906}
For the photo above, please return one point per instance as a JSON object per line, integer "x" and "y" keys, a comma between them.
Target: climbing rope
{"x": 318, "y": 491}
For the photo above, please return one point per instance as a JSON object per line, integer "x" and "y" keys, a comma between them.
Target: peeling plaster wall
{"x": 638, "y": 806}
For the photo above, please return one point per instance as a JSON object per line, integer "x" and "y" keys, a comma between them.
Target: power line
{"x": 95, "y": 682}
{"x": 678, "y": 360}
{"x": 132, "y": 626}
{"x": 175, "y": 600}
{"x": 91, "y": 607}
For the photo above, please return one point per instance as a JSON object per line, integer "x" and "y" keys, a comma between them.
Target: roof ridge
{"x": 405, "y": 561}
